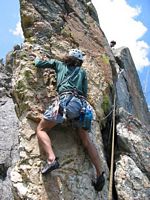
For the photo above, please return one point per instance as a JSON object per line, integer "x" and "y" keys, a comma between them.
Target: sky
{"x": 125, "y": 21}
{"x": 10, "y": 31}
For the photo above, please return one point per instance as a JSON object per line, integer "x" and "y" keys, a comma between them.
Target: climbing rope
{"x": 107, "y": 115}
{"x": 112, "y": 151}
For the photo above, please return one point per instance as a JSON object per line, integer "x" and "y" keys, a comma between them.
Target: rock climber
{"x": 112, "y": 43}
{"x": 71, "y": 104}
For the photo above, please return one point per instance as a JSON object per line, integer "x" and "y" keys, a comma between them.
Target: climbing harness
{"x": 66, "y": 99}
{"x": 86, "y": 114}
{"x": 112, "y": 151}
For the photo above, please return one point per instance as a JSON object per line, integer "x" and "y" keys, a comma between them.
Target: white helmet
{"x": 76, "y": 53}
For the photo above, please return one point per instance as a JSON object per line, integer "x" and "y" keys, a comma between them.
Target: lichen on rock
{"x": 52, "y": 28}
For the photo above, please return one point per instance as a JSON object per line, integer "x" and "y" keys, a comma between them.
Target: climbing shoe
{"x": 50, "y": 166}
{"x": 99, "y": 183}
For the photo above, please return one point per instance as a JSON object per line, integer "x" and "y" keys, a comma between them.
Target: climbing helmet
{"x": 76, "y": 53}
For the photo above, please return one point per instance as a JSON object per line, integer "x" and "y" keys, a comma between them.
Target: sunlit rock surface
{"x": 52, "y": 27}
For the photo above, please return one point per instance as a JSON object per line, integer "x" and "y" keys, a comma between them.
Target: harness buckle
{"x": 64, "y": 114}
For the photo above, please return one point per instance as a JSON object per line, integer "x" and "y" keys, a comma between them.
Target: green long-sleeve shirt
{"x": 79, "y": 82}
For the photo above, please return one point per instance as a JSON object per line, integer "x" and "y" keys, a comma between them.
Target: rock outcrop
{"x": 129, "y": 90}
{"x": 8, "y": 132}
{"x": 52, "y": 27}
{"x": 132, "y": 172}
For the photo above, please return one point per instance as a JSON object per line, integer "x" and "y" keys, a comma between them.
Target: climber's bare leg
{"x": 91, "y": 149}
{"x": 44, "y": 139}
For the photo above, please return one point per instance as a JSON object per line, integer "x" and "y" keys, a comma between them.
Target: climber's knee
{"x": 44, "y": 125}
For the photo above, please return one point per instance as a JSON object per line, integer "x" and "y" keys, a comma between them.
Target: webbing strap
{"x": 65, "y": 103}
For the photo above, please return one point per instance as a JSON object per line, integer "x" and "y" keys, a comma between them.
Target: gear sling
{"x": 86, "y": 115}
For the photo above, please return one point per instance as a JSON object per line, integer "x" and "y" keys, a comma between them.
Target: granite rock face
{"x": 132, "y": 160}
{"x": 52, "y": 27}
{"x": 129, "y": 90}
{"x": 8, "y": 133}
{"x": 132, "y": 174}
{"x": 131, "y": 183}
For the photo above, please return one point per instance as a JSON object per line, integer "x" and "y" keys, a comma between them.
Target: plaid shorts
{"x": 73, "y": 108}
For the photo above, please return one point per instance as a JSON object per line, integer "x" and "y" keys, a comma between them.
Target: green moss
{"x": 31, "y": 39}
{"x": 22, "y": 55}
{"x": 66, "y": 32}
{"x": 28, "y": 33}
{"x": 27, "y": 21}
{"x": 28, "y": 74}
{"x": 106, "y": 104}
{"x": 105, "y": 58}
{"x": 21, "y": 105}
{"x": 21, "y": 86}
